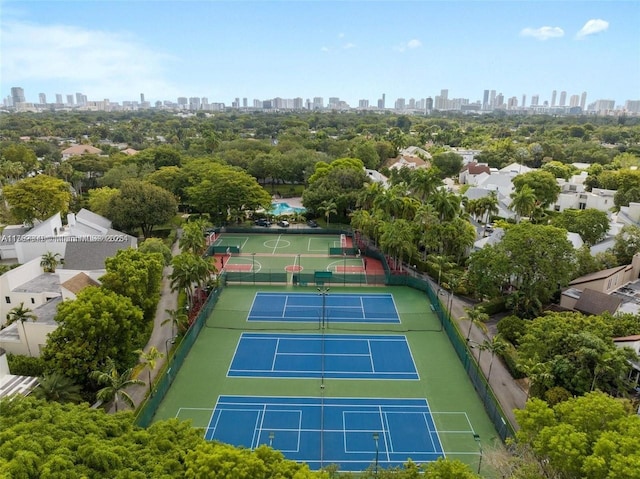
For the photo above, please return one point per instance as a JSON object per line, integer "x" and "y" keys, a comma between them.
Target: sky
{"x": 352, "y": 50}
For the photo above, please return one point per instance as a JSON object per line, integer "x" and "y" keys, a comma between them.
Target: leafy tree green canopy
{"x": 592, "y": 436}
{"x": 141, "y": 205}
{"x": 37, "y": 198}
{"x": 97, "y": 325}
{"x": 591, "y": 224}
{"x": 137, "y": 275}
{"x": 531, "y": 260}
{"x": 542, "y": 183}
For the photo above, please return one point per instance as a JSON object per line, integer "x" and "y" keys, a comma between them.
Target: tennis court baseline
{"x": 323, "y": 431}
{"x": 337, "y": 356}
{"x": 309, "y": 307}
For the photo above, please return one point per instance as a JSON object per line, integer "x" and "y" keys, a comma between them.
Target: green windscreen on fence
{"x": 147, "y": 410}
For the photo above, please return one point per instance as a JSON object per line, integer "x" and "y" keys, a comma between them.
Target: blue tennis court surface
{"x": 339, "y": 356}
{"x": 323, "y": 431}
{"x": 341, "y": 308}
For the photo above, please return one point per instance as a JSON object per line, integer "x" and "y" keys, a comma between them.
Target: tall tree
{"x": 141, "y": 205}
{"x": 523, "y": 202}
{"x": 543, "y": 184}
{"x": 21, "y": 314}
{"x": 532, "y": 260}
{"x": 148, "y": 361}
{"x": 96, "y": 325}
{"x": 326, "y": 208}
{"x": 137, "y": 275}
{"x": 115, "y": 384}
{"x": 37, "y": 198}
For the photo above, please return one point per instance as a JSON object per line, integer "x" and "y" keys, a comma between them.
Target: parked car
{"x": 283, "y": 224}
{"x": 312, "y": 224}
{"x": 262, "y": 222}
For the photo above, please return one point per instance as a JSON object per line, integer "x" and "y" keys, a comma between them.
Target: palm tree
{"x": 495, "y": 346}
{"x": 397, "y": 239}
{"x": 115, "y": 384}
{"x": 490, "y": 204}
{"x": 50, "y": 261}
{"x": 22, "y": 314}
{"x": 446, "y": 203}
{"x": 424, "y": 183}
{"x": 179, "y": 321}
{"x": 193, "y": 239}
{"x": 148, "y": 360}
{"x": 327, "y": 207}
{"x": 57, "y": 387}
{"x": 441, "y": 262}
{"x": 523, "y": 202}
{"x": 476, "y": 316}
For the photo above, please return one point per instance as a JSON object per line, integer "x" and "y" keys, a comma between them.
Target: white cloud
{"x": 410, "y": 45}
{"x": 542, "y": 33}
{"x": 107, "y": 63}
{"x": 340, "y": 35}
{"x": 592, "y": 27}
{"x": 348, "y": 46}
{"x": 324, "y": 49}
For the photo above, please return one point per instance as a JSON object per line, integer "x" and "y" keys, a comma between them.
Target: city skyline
{"x": 349, "y": 50}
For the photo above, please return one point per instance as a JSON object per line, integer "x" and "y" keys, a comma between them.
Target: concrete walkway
{"x": 161, "y": 336}
{"x": 508, "y": 391}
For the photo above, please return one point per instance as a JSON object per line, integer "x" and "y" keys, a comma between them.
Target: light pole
{"x": 253, "y": 266}
{"x": 344, "y": 271}
{"x": 166, "y": 345}
{"x": 375, "y": 439}
{"x": 477, "y": 439}
{"x": 323, "y": 291}
{"x": 299, "y": 269}
{"x": 271, "y": 436}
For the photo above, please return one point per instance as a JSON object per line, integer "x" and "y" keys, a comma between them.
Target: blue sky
{"x": 348, "y": 49}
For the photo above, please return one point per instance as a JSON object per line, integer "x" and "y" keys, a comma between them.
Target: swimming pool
{"x": 284, "y": 209}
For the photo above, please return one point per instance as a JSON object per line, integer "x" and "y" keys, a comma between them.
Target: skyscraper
{"x": 69, "y": 99}
{"x": 534, "y": 100}
{"x": 318, "y": 103}
{"x": 59, "y": 98}
{"x": 553, "y": 98}
{"x": 563, "y": 98}
{"x": 17, "y": 95}
{"x": 485, "y": 100}
{"x": 381, "y": 102}
{"x": 42, "y": 98}
{"x": 141, "y": 97}
{"x": 583, "y": 100}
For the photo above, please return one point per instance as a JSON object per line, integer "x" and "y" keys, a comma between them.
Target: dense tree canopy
{"x": 591, "y": 224}
{"x": 137, "y": 275}
{"x": 141, "y": 205}
{"x": 592, "y": 436}
{"x": 576, "y": 352}
{"x": 529, "y": 265}
{"x": 97, "y": 325}
{"x": 37, "y": 198}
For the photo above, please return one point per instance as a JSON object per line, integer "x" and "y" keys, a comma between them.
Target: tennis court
{"x": 338, "y": 356}
{"x": 352, "y": 432}
{"x": 265, "y": 365}
{"x": 333, "y": 308}
{"x": 278, "y": 243}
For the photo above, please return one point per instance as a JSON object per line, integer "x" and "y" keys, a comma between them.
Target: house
{"x": 615, "y": 290}
{"x": 84, "y": 257}
{"x": 631, "y": 342}
{"x": 471, "y": 172}
{"x": 79, "y": 150}
{"x": 412, "y": 157}
{"x": 51, "y": 236}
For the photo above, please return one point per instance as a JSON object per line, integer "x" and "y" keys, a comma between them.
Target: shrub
{"x": 512, "y": 328}
{"x": 25, "y": 365}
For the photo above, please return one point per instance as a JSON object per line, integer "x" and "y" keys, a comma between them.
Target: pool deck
{"x": 293, "y": 202}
